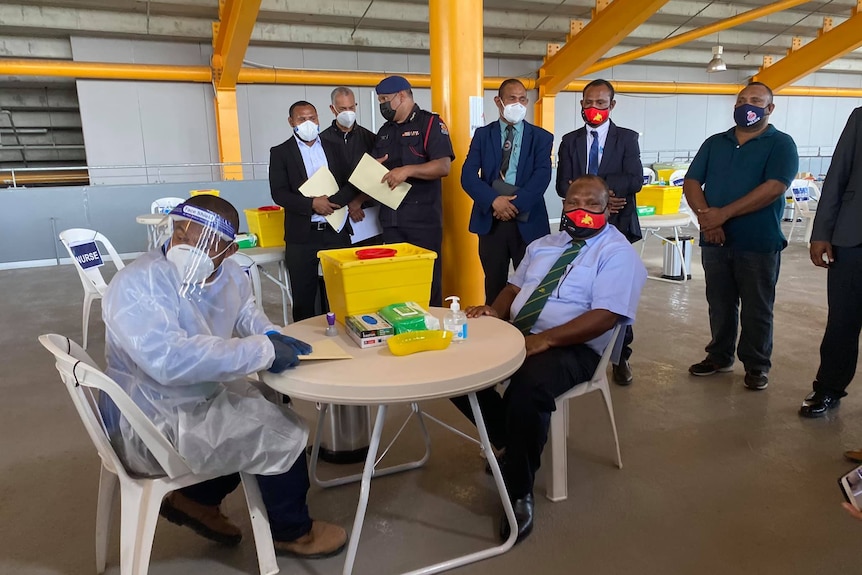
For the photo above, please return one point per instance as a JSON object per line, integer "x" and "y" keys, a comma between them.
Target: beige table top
{"x": 493, "y": 351}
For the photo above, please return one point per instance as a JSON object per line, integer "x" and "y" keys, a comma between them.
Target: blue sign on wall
{"x": 87, "y": 254}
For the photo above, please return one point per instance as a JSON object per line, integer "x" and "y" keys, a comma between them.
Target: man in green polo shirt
{"x": 736, "y": 186}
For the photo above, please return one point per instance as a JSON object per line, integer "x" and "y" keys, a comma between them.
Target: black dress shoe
{"x": 817, "y": 403}
{"x": 523, "y": 515}
{"x": 623, "y": 373}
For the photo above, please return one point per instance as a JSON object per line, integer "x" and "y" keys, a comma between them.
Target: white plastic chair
{"x": 677, "y": 177}
{"x": 250, "y": 267}
{"x": 91, "y": 278}
{"x": 162, "y": 206}
{"x": 140, "y": 498}
{"x": 165, "y": 205}
{"x": 649, "y": 176}
{"x": 802, "y": 194}
{"x": 684, "y": 208}
{"x": 555, "y": 455}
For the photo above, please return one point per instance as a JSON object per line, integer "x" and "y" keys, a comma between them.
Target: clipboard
{"x": 367, "y": 177}
{"x": 322, "y": 183}
{"x": 326, "y": 349}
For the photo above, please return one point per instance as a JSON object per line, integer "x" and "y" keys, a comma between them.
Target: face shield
{"x": 199, "y": 236}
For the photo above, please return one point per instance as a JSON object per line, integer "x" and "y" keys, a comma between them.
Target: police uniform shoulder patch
{"x": 443, "y": 129}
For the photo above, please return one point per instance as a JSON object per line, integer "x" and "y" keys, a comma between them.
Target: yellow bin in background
{"x": 203, "y": 192}
{"x": 267, "y": 223}
{"x": 356, "y": 286}
{"x": 666, "y": 199}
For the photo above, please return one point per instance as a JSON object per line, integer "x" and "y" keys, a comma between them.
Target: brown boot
{"x": 854, "y": 455}
{"x": 324, "y": 540}
{"x": 205, "y": 520}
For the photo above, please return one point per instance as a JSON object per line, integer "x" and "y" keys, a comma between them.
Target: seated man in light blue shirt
{"x": 567, "y": 295}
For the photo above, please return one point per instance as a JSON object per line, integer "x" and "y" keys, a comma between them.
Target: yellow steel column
{"x": 227, "y": 128}
{"x": 543, "y": 111}
{"x": 457, "y": 69}
{"x": 231, "y": 35}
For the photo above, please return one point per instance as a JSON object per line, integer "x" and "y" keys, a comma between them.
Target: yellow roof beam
{"x": 695, "y": 34}
{"x": 803, "y": 60}
{"x": 231, "y": 35}
{"x": 611, "y": 23}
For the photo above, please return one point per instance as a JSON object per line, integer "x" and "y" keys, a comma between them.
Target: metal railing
{"x": 126, "y": 174}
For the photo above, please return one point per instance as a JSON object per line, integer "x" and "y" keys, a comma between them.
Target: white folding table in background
{"x": 652, "y": 226}
{"x": 262, "y": 256}
{"x": 154, "y": 223}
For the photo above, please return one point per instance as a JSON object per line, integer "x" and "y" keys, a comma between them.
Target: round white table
{"x": 493, "y": 351}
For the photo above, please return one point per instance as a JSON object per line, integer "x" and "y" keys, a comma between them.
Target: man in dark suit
{"x": 837, "y": 237}
{"x": 604, "y": 149}
{"x": 291, "y": 163}
{"x": 506, "y": 173}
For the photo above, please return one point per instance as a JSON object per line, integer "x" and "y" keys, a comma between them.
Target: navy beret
{"x": 392, "y": 85}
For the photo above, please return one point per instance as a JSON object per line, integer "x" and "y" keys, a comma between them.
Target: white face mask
{"x": 192, "y": 263}
{"x": 346, "y": 118}
{"x": 514, "y": 113}
{"x": 307, "y": 131}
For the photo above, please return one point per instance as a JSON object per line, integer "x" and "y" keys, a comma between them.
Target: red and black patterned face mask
{"x": 595, "y": 116}
{"x": 582, "y": 224}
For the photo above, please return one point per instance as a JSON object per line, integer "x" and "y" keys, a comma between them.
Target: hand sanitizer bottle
{"x": 456, "y": 320}
{"x": 331, "y": 330}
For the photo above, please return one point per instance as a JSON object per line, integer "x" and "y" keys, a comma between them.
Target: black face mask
{"x": 582, "y": 224}
{"x": 386, "y": 111}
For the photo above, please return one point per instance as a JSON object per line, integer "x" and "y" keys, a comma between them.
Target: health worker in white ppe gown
{"x": 182, "y": 332}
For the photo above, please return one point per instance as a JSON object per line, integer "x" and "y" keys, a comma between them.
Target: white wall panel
{"x": 175, "y": 129}
{"x": 111, "y": 123}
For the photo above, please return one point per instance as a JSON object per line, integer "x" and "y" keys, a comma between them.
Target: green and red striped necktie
{"x": 528, "y": 315}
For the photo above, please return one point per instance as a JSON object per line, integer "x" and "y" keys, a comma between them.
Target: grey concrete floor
{"x": 716, "y": 478}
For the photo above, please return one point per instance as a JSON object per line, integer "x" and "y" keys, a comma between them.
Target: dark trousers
{"x": 735, "y": 277}
{"x": 519, "y": 420}
{"x": 626, "y": 224}
{"x": 428, "y": 238}
{"x": 283, "y": 496}
{"x": 628, "y": 338}
{"x": 839, "y": 350}
{"x": 501, "y": 245}
{"x": 309, "y": 295}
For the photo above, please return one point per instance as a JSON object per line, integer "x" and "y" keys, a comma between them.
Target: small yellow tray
{"x": 415, "y": 341}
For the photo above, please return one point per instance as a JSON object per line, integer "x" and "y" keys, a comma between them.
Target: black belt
{"x": 319, "y": 226}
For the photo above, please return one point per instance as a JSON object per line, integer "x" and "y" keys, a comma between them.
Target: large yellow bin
{"x": 356, "y": 286}
{"x": 194, "y": 193}
{"x": 267, "y": 223}
{"x": 666, "y": 199}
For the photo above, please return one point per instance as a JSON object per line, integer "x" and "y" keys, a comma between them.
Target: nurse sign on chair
{"x": 82, "y": 246}
{"x": 140, "y": 497}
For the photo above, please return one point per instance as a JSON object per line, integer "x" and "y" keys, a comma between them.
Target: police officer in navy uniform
{"x": 414, "y": 146}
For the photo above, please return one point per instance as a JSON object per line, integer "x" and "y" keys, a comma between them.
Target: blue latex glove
{"x": 285, "y": 354}
{"x": 299, "y": 346}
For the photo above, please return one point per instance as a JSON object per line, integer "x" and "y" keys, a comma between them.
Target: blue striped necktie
{"x": 593, "y": 161}
{"x": 528, "y": 315}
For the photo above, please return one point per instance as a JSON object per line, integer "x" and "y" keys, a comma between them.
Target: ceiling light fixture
{"x": 716, "y": 64}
